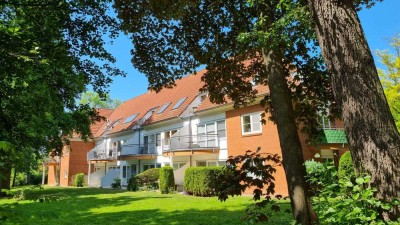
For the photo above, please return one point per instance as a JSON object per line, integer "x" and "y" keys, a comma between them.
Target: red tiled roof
{"x": 207, "y": 104}
{"x": 102, "y": 112}
{"x": 94, "y": 127}
{"x": 186, "y": 87}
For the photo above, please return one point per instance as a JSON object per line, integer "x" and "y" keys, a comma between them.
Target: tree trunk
{"x": 15, "y": 174}
{"x": 371, "y": 132}
{"x": 5, "y": 178}
{"x": 292, "y": 155}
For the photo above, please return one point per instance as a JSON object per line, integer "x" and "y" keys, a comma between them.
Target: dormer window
{"x": 179, "y": 103}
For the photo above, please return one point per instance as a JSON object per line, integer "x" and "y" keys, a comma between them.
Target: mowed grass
{"x": 105, "y": 206}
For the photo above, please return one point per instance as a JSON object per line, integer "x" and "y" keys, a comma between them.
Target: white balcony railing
{"x": 191, "y": 142}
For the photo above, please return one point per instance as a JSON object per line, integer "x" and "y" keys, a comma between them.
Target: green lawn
{"x": 104, "y": 206}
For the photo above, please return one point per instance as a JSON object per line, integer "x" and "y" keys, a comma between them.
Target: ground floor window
{"x": 128, "y": 171}
{"x": 151, "y": 166}
{"x": 327, "y": 155}
{"x": 210, "y": 163}
{"x": 216, "y": 163}
{"x": 178, "y": 165}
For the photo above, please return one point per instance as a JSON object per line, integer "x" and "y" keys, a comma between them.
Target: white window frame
{"x": 251, "y": 123}
{"x": 204, "y": 125}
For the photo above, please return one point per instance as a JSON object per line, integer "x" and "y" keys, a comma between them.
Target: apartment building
{"x": 180, "y": 127}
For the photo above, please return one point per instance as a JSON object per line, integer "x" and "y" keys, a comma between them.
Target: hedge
{"x": 167, "y": 181}
{"x": 79, "y": 180}
{"x": 201, "y": 181}
{"x": 148, "y": 179}
{"x": 346, "y": 167}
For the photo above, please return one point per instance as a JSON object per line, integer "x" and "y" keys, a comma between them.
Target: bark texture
{"x": 372, "y": 135}
{"x": 292, "y": 155}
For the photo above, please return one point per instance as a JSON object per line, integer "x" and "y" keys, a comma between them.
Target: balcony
{"x": 139, "y": 151}
{"x": 199, "y": 143}
{"x": 332, "y": 136}
{"x": 100, "y": 153}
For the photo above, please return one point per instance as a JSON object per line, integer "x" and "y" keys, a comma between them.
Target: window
{"x": 128, "y": 171}
{"x": 168, "y": 135}
{"x": 179, "y": 103}
{"x": 216, "y": 163}
{"x": 207, "y": 133}
{"x": 251, "y": 123}
{"x": 178, "y": 165}
{"x": 150, "y": 166}
{"x": 162, "y": 109}
{"x": 201, "y": 163}
{"x": 326, "y": 155}
{"x": 130, "y": 118}
{"x": 149, "y": 144}
{"x": 158, "y": 140}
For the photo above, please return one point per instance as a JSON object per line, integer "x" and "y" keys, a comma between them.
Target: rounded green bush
{"x": 148, "y": 179}
{"x": 79, "y": 180}
{"x": 133, "y": 184}
{"x": 167, "y": 181}
{"x": 346, "y": 167}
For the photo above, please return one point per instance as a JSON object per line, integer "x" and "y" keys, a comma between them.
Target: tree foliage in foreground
{"x": 51, "y": 50}
{"x": 390, "y": 78}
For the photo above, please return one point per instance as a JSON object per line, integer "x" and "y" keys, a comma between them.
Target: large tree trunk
{"x": 372, "y": 135}
{"x": 292, "y": 155}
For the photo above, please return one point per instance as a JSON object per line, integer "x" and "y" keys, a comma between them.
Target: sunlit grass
{"x": 105, "y": 206}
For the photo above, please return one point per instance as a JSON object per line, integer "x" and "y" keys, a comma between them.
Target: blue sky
{"x": 380, "y": 23}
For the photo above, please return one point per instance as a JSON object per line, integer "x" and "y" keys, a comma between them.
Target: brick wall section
{"x": 78, "y": 158}
{"x": 268, "y": 140}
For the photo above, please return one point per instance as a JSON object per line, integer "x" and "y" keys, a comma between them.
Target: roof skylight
{"x": 162, "y": 109}
{"x": 179, "y": 103}
{"x": 130, "y": 118}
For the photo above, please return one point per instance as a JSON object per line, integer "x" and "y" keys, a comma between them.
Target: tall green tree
{"x": 371, "y": 130}
{"x": 390, "y": 77}
{"x": 50, "y": 51}
{"x": 94, "y": 100}
{"x": 238, "y": 41}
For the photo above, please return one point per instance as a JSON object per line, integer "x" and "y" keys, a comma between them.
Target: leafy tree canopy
{"x": 173, "y": 38}
{"x": 94, "y": 100}
{"x": 51, "y": 50}
{"x": 390, "y": 78}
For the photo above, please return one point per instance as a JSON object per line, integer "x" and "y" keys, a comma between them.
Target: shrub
{"x": 133, "y": 184}
{"x": 116, "y": 184}
{"x": 349, "y": 201}
{"x": 167, "y": 181}
{"x": 79, "y": 180}
{"x": 346, "y": 167}
{"x": 201, "y": 181}
{"x": 320, "y": 175}
{"x": 148, "y": 179}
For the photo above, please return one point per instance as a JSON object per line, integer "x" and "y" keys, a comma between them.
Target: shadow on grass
{"x": 105, "y": 206}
